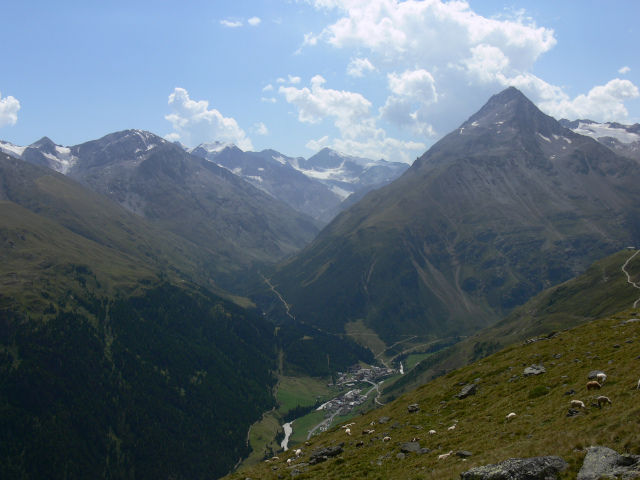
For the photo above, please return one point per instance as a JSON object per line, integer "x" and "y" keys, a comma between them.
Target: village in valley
{"x": 343, "y": 404}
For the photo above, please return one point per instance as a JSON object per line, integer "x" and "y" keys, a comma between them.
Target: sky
{"x": 370, "y": 78}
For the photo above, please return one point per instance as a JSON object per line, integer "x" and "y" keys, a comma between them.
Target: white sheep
{"x": 432, "y": 432}
{"x": 603, "y": 401}
{"x": 577, "y": 404}
{"x": 510, "y": 416}
{"x": 452, "y": 427}
{"x": 593, "y": 384}
{"x": 289, "y": 460}
{"x": 275, "y": 458}
{"x": 601, "y": 377}
{"x": 444, "y": 455}
{"x": 386, "y": 439}
{"x": 348, "y": 431}
{"x": 298, "y": 452}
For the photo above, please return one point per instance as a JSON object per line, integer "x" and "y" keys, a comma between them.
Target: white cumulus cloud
{"x": 261, "y": 129}
{"x": 602, "y": 103}
{"x": 624, "y": 70}
{"x": 359, "y": 66}
{"x": 351, "y": 114}
{"x": 231, "y": 23}
{"x": 194, "y": 123}
{"x": 254, "y": 21}
{"x": 9, "y": 107}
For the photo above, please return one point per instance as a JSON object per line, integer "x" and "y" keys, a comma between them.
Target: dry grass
{"x": 541, "y": 426}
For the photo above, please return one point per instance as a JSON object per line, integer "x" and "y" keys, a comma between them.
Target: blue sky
{"x": 373, "y": 78}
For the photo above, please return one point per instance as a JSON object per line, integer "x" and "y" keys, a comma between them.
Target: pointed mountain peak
{"x": 46, "y": 145}
{"x": 511, "y": 109}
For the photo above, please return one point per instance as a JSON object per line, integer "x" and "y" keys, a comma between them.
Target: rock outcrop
{"x": 536, "y": 468}
{"x": 603, "y": 462}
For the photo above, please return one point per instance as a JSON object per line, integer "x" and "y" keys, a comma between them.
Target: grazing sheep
{"x": 386, "y": 439}
{"x": 360, "y": 443}
{"x": 289, "y": 460}
{"x": 298, "y": 452}
{"x": 510, "y": 416}
{"x": 343, "y": 427}
{"x": 603, "y": 401}
{"x": 444, "y": 455}
{"x": 415, "y": 439}
{"x": 593, "y": 384}
{"x": 267, "y": 461}
{"x": 577, "y": 404}
{"x": 348, "y": 431}
{"x": 372, "y": 424}
{"x": 432, "y": 432}
{"x": 452, "y": 427}
{"x": 601, "y": 377}
{"x": 275, "y": 458}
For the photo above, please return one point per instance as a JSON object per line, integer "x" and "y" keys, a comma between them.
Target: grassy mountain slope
{"x": 114, "y": 362}
{"x": 602, "y": 290}
{"x": 505, "y": 206}
{"x": 541, "y": 426}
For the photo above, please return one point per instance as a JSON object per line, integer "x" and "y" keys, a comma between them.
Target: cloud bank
{"x": 438, "y": 59}
{"x": 193, "y": 123}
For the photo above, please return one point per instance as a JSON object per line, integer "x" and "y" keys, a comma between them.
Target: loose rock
{"x": 413, "y": 408}
{"x": 534, "y": 370}
{"x": 536, "y": 468}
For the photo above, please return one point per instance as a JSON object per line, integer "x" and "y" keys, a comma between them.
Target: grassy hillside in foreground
{"x": 602, "y": 290}
{"x": 541, "y": 426}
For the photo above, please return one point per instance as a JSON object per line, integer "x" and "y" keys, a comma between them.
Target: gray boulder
{"x": 534, "y": 370}
{"x": 603, "y": 461}
{"x": 536, "y": 468}
{"x": 410, "y": 447}
{"x": 466, "y": 391}
{"x": 323, "y": 454}
{"x": 593, "y": 374}
{"x": 413, "y": 408}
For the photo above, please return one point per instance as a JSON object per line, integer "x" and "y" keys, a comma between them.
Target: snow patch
{"x": 257, "y": 179}
{"x": 544, "y": 138}
{"x": 474, "y": 124}
{"x": 598, "y": 130}
{"x": 340, "y": 192}
{"x": 11, "y": 149}
{"x": 280, "y": 159}
{"x": 216, "y": 147}
{"x": 237, "y": 171}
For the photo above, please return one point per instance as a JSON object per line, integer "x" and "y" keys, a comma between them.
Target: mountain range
{"x": 315, "y": 187}
{"x": 150, "y": 295}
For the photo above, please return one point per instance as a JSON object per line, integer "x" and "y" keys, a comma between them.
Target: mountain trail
{"x": 635, "y": 304}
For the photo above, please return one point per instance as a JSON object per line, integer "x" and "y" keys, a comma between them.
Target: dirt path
{"x": 635, "y": 304}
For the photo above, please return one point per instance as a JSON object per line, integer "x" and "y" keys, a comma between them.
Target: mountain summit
{"x": 502, "y": 207}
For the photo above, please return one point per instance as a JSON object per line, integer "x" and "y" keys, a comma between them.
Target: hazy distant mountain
{"x": 622, "y": 139}
{"x": 274, "y": 173}
{"x": 185, "y": 194}
{"x": 316, "y": 186}
{"x": 506, "y": 205}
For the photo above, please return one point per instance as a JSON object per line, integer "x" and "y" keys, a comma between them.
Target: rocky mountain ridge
{"x": 501, "y": 208}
